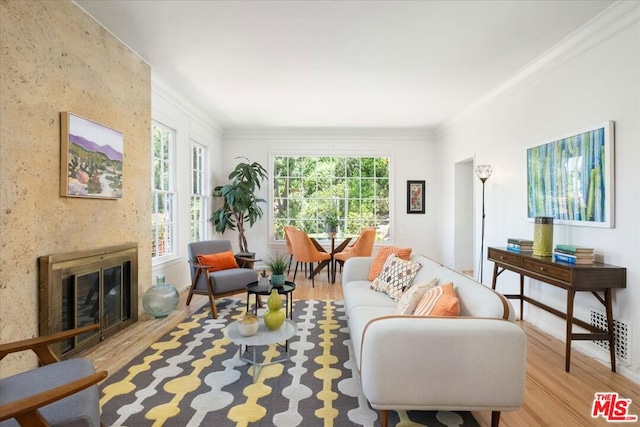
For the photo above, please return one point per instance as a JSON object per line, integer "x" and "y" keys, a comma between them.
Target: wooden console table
{"x": 594, "y": 278}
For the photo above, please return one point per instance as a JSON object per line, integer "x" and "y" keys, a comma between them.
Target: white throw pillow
{"x": 411, "y": 297}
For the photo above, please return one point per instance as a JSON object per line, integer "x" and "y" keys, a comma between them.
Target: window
{"x": 306, "y": 188}
{"x": 199, "y": 198}
{"x": 163, "y": 202}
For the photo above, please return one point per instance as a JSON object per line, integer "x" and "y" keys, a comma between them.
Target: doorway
{"x": 463, "y": 230}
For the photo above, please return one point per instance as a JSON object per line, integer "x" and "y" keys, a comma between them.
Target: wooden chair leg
{"x": 190, "y": 294}
{"x": 495, "y": 418}
{"x": 212, "y": 300}
{"x": 193, "y": 285}
{"x": 384, "y": 418}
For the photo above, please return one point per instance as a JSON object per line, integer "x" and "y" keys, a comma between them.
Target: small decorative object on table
{"x": 332, "y": 222}
{"x": 543, "y": 236}
{"x": 264, "y": 284}
{"x": 277, "y": 264}
{"x": 248, "y": 325}
{"x": 161, "y": 299}
{"x": 274, "y": 318}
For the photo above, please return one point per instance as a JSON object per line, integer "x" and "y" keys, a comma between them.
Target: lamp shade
{"x": 483, "y": 172}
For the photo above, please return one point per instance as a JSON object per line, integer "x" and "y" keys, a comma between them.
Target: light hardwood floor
{"x": 553, "y": 396}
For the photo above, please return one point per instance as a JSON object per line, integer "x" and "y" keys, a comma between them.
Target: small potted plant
{"x": 277, "y": 264}
{"x": 332, "y": 221}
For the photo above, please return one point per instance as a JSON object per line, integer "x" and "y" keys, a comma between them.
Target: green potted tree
{"x": 277, "y": 264}
{"x": 240, "y": 203}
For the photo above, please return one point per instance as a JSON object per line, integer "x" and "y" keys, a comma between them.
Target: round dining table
{"x": 316, "y": 238}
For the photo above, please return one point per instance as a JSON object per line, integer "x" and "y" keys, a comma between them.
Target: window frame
{"x": 171, "y": 192}
{"x": 203, "y": 194}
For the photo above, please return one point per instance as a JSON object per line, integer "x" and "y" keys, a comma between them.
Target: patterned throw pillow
{"x": 439, "y": 301}
{"x": 219, "y": 261}
{"x": 381, "y": 258}
{"x": 396, "y": 276}
{"x": 411, "y": 297}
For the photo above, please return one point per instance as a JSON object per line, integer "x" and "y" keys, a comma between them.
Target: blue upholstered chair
{"x": 217, "y": 283}
{"x": 60, "y": 393}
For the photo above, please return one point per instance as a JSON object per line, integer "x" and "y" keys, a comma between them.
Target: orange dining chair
{"x": 363, "y": 246}
{"x": 287, "y": 239}
{"x": 305, "y": 251}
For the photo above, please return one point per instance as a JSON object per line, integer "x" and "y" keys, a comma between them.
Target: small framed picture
{"x": 415, "y": 197}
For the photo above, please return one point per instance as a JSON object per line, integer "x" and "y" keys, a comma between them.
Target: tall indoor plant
{"x": 240, "y": 203}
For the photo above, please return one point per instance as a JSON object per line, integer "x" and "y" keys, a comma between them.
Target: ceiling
{"x": 339, "y": 64}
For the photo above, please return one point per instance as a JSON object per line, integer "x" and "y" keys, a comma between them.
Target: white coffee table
{"x": 263, "y": 337}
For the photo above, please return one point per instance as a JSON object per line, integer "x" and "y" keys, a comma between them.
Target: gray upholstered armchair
{"x": 61, "y": 393}
{"x": 216, "y": 283}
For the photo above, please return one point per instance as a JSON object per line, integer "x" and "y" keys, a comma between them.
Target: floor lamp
{"x": 483, "y": 172}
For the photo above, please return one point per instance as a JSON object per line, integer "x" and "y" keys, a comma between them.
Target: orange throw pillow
{"x": 381, "y": 258}
{"x": 219, "y": 261}
{"x": 439, "y": 301}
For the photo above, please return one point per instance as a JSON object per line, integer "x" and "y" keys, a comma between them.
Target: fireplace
{"x": 82, "y": 288}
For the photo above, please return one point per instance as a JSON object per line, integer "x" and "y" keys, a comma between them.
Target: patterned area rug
{"x": 193, "y": 376}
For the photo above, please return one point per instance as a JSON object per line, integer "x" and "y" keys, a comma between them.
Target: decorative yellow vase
{"x": 274, "y": 318}
{"x": 543, "y": 236}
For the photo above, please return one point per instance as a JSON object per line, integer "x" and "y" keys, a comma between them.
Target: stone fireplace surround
{"x": 85, "y": 287}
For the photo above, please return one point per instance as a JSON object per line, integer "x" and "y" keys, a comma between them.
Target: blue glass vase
{"x": 161, "y": 299}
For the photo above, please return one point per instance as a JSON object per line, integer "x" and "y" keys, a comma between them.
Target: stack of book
{"x": 516, "y": 244}
{"x": 573, "y": 254}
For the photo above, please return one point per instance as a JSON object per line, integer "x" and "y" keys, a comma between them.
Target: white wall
{"x": 170, "y": 108}
{"x": 595, "y": 78}
{"x": 413, "y": 158}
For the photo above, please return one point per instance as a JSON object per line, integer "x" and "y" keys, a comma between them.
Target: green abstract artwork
{"x": 571, "y": 178}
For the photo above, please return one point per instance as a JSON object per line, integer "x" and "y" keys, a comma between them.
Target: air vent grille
{"x": 620, "y": 329}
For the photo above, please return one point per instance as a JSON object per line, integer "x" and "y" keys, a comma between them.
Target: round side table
{"x": 286, "y": 290}
{"x": 263, "y": 337}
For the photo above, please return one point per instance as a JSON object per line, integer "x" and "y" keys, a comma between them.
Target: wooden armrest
{"x": 198, "y": 265}
{"x": 25, "y": 410}
{"x": 40, "y": 345}
{"x": 241, "y": 258}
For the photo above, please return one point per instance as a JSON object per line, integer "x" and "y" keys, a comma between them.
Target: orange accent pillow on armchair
{"x": 219, "y": 261}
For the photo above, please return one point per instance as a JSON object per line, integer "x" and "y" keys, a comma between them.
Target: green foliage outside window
{"x": 306, "y": 188}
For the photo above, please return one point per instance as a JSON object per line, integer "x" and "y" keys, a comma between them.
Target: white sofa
{"x": 473, "y": 362}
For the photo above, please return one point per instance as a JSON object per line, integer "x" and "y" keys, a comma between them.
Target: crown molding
{"x": 194, "y": 112}
{"x": 611, "y": 21}
{"x": 423, "y": 134}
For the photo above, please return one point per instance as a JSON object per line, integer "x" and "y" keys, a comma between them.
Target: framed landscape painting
{"x": 571, "y": 178}
{"x": 91, "y": 159}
